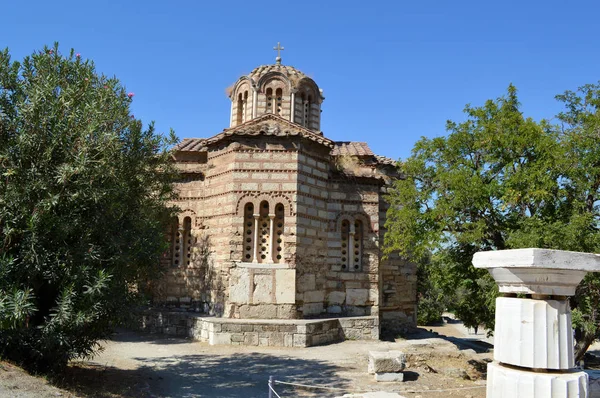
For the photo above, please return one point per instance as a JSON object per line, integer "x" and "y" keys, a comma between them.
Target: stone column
{"x": 254, "y": 103}
{"x": 292, "y": 105}
{"x": 271, "y": 238}
{"x": 533, "y": 338}
{"x": 255, "y": 240}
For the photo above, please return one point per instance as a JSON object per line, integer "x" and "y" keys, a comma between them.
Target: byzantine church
{"x": 278, "y": 221}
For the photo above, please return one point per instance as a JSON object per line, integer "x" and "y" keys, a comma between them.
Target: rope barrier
{"x": 274, "y": 392}
{"x": 320, "y": 386}
{"x": 440, "y": 390}
{"x": 310, "y": 386}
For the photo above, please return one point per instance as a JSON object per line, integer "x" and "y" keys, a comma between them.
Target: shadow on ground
{"x": 462, "y": 343}
{"x": 202, "y": 375}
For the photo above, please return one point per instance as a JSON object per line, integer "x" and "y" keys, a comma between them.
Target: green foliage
{"x": 83, "y": 207}
{"x": 500, "y": 181}
{"x": 431, "y": 299}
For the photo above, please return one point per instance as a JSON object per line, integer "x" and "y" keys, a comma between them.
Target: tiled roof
{"x": 263, "y": 125}
{"x": 289, "y": 71}
{"x": 385, "y": 160}
{"x": 270, "y": 124}
{"x": 351, "y": 148}
{"x": 191, "y": 144}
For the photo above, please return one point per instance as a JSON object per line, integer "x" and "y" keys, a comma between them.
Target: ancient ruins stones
{"x": 387, "y": 365}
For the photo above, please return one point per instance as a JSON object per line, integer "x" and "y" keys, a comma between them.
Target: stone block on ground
{"x": 386, "y": 361}
{"x": 390, "y": 377}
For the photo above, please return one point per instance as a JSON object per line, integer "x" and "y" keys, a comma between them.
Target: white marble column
{"x": 254, "y": 103}
{"x": 533, "y": 338}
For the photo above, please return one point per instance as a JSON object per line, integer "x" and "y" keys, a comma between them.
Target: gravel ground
{"x": 141, "y": 365}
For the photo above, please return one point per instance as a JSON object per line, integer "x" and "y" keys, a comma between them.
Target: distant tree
{"x": 84, "y": 193}
{"x": 466, "y": 192}
{"x": 580, "y": 130}
{"x": 500, "y": 181}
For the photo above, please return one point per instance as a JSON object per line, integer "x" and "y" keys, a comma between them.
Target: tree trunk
{"x": 583, "y": 344}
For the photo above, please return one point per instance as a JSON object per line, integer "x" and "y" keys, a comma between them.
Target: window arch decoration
{"x": 353, "y": 229}
{"x": 182, "y": 238}
{"x": 309, "y": 95}
{"x": 256, "y": 197}
{"x": 264, "y": 227}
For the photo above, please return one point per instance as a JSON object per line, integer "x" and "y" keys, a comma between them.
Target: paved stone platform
{"x": 261, "y": 332}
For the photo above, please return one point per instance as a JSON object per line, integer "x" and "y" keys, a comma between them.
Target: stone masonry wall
{"x": 278, "y": 333}
{"x": 308, "y": 281}
{"x": 398, "y": 285}
{"x": 353, "y": 292}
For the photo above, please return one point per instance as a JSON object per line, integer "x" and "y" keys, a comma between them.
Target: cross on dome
{"x": 279, "y": 49}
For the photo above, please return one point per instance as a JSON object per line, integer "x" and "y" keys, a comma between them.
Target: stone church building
{"x": 280, "y": 222}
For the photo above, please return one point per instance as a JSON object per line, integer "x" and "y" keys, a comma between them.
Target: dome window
{"x": 279, "y": 95}
{"x": 269, "y": 100}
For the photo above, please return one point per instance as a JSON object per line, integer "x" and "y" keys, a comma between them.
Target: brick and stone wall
{"x": 309, "y": 280}
{"x": 279, "y": 333}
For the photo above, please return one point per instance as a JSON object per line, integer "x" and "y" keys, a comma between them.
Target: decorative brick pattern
{"x": 286, "y": 260}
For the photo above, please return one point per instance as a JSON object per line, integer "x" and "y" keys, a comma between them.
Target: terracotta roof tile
{"x": 271, "y": 125}
{"x": 191, "y": 144}
{"x": 385, "y": 160}
{"x": 351, "y": 148}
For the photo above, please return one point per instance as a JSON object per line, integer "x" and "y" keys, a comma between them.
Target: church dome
{"x": 277, "y": 89}
{"x": 293, "y": 74}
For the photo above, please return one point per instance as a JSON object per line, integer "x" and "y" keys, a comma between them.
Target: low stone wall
{"x": 261, "y": 332}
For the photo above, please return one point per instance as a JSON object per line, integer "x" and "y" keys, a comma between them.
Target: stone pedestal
{"x": 503, "y": 382}
{"x": 533, "y": 338}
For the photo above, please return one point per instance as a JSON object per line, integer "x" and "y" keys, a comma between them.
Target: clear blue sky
{"x": 392, "y": 71}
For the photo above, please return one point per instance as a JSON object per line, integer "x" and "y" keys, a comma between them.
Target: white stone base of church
{"x": 261, "y": 332}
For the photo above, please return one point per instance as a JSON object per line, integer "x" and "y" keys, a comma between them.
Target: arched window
{"x": 248, "y": 232}
{"x": 306, "y": 112}
{"x": 175, "y": 237}
{"x": 351, "y": 235}
{"x": 279, "y": 98}
{"x": 357, "y": 241}
{"x": 264, "y": 236}
{"x": 269, "y": 107}
{"x": 345, "y": 236}
{"x": 245, "y": 107}
{"x": 278, "y": 228}
{"x": 240, "y": 109}
{"x": 263, "y": 233}
{"x": 187, "y": 241}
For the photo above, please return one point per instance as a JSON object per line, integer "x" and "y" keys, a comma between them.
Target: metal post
{"x": 271, "y": 383}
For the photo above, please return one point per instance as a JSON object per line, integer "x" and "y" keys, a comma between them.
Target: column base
{"x": 503, "y": 382}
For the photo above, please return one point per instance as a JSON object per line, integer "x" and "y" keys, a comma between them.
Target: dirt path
{"x": 145, "y": 366}
{"x": 171, "y": 367}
